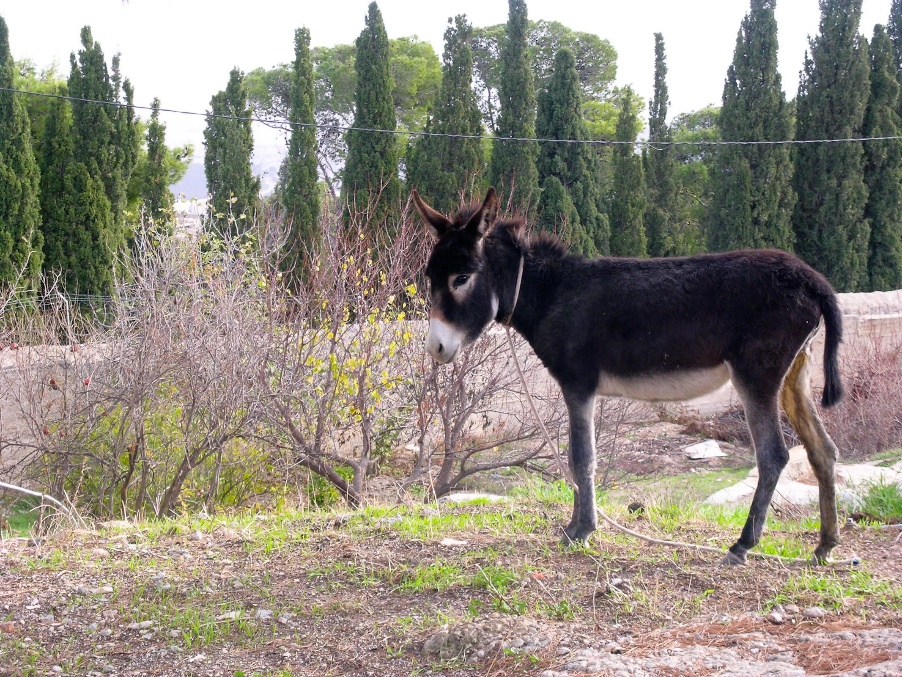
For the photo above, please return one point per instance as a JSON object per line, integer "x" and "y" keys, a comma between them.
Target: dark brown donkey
{"x": 648, "y": 329}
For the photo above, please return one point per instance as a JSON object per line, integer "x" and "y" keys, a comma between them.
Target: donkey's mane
{"x": 541, "y": 244}
{"x": 513, "y": 232}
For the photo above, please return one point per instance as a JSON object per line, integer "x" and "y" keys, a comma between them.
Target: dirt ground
{"x": 472, "y": 590}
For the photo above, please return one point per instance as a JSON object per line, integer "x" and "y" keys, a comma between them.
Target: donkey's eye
{"x": 460, "y": 281}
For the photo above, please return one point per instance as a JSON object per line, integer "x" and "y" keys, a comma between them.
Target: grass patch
{"x": 838, "y": 590}
{"x": 435, "y": 576}
{"x": 882, "y": 503}
{"x": 20, "y": 519}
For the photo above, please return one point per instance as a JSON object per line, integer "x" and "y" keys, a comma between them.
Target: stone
{"x": 703, "y": 450}
{"x": 814, "y": 612}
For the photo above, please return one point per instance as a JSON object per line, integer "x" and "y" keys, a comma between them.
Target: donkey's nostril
{"x": 441, "y": 348}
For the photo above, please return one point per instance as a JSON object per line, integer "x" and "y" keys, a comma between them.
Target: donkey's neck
{"x": 538, "y": 285}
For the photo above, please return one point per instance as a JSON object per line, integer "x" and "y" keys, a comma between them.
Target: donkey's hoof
{"x": 732, "y": 559}
{"x": 575, "y": 538}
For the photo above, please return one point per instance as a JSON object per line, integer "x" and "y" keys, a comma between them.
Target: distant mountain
{"x": 194, "y": 184}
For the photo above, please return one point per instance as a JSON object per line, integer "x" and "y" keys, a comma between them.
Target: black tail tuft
{"x": 833, "y": 390}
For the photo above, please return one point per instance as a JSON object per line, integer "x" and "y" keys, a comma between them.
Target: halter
{"x": 507, "y": 321}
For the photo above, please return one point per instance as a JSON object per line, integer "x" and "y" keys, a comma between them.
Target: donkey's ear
{"x": 483, "y": 220}
{"x": 438, "y": 224}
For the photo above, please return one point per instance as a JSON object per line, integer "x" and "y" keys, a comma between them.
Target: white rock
{"x": 706, "y": 449}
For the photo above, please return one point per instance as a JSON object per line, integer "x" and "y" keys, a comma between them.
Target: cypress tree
{"x": 575, "y": 165}
{"x": 513, "y": 167}
{"x": 157, "y": 197}
{"x": 299, "y": 185}
{"x": 106, "y": 136}
{"x": 754, "y": 182}
{"x": 228, "y": 147}
{"x": 659, "y": 166}
{"x": 627, "y": 199}
{"x": 76, "y": 212}
{"x": 20, "y": 212}
{"x": 370, "y": 182}
{"x": 894, "y": 30}
{"x": 883, "y": 168}
{"x": 832, "y": 233}
{"x": 442, "y": 166}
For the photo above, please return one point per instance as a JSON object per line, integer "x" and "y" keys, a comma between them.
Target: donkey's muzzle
{"x": 443, "y": 341}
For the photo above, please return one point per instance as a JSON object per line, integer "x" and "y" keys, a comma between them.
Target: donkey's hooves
{"x": 732, "y": 559}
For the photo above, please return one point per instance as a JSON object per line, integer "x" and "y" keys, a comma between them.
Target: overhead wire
{"x": 649, "y": 143}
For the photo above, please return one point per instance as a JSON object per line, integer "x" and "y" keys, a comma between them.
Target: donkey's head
{"x": 461, "y": 287}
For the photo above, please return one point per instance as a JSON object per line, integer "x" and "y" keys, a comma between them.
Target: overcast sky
{"x": 182, "y": 50}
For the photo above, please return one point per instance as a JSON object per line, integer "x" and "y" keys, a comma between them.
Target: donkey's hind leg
{"x": 797, "y": 402}
{"x": 771, "y": 454}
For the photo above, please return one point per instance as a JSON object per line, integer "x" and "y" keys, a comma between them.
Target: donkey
{"x": 647, "y": 329}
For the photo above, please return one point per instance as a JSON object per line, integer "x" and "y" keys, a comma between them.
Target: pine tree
{"x": 831, "y": 231}
{"x": 513, "y": 166}
{"x": 883, "y": 168}
{"x": 627, "y": 199}
{"x": 299, "y": 185}
{"x": 21, "y": 241}
{"x": 370, "y": 182}
{"x": 156, "y": 197}
{"x": 575, "y": 165}
{"x": 106, "y": 136}
{"x": 754, "y": 182}
{"x": 443, "y": 167}
{"x": 228, "y": 147}
{"x": 76, "y": 212}
{"x": 660, "y": 167}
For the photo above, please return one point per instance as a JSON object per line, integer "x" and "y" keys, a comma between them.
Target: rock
{"x": 263, "y": 614}
{"x": 452, "y": 543}
{"x": 706, "y": 449}
{"x": 100, "y": 553}
{"x": 229, "y": 616}
{"x": 106, "y": 632}
{"x": 142, "y": 625}
{"x": 792, "y": 609}
{"x": 8, "y": 627}
{"x": 775, "y": 617}
{"x": 814, "y": 612}
{"x": 48, "y": 618}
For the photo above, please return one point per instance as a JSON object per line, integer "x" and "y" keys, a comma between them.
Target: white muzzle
{"x": 443, "y": 341}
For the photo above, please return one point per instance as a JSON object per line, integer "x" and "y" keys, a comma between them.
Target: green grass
{"x": 883, "y": 503}
{"x": 436, "y": 576}
{"x": 21, "y": 518}
{"x": 840, "y": 589}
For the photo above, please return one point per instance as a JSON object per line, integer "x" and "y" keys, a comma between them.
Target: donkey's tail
{"x": 833, "y": 390}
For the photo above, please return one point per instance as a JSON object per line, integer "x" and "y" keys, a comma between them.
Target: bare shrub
{"x": 157, "y": 409}
{"x": 336, "y": 351}
{"x": 869, "y": 418}
{"x": 472, "y": 415}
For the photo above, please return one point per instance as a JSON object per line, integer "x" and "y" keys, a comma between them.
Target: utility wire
{"x": 654, "y": 145}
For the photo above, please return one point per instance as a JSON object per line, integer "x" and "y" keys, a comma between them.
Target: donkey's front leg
{"x": 581, "y": 409}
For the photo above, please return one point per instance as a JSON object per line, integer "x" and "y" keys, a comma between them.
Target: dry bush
{"x": 868, "y": 419}
{"x": 337, "y": 346}
{"x": 156, "y": 410}
{"x": 473, "y": 416}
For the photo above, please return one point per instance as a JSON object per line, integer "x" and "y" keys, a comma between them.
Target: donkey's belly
{"x": 666, "y": 386}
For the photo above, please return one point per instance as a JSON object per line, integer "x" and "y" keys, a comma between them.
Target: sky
{"x": 182, "y": 50}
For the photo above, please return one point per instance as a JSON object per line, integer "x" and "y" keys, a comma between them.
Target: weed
{"x": 881, "y": 503}
{"x": 837, "y": 590}
{"x": 559, "y": 611}
{"x": 437, "y": 576}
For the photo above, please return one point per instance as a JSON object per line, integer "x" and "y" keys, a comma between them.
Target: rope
{"x": 851, "y": 561}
